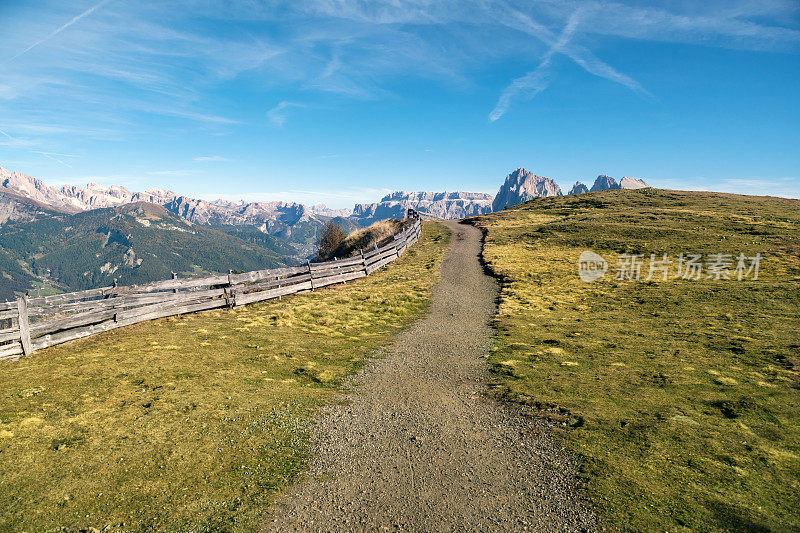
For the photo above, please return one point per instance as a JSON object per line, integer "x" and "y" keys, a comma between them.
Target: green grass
{"x": 681, "y": 398}
{"x": 192, "y": 423}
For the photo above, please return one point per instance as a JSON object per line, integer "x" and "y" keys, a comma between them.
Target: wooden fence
{"x": 36, "y": 323}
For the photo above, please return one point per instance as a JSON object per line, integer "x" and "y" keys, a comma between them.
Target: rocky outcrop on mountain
{"x": 366, "y": 214}
{"x": 632, "y": 183}
{"x": 521, "y": 186}
{"x": 578, "y": 188}
{"x": 96, "y": 196}
{"x": 224, "y": 213}
{"x": 27, "y": 187}
{"x": 73, "y": 199}
{"x": 607, "y": 183}
{"x": 604, "y": 183}
{"x": 13, "y": 207}
{"x": 446, "y": 205}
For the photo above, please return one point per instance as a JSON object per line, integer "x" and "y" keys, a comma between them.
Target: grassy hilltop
{"x": 191, "y": 423}
{"x": 682, "y": 397}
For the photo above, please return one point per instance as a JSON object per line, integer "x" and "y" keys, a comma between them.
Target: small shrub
{"x": 332, "y": 236}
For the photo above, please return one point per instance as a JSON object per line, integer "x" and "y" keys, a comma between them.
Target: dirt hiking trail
{"x": 419, "y": 446}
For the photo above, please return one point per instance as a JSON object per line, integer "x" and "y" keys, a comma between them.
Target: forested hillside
{"x": 133, "y": 243}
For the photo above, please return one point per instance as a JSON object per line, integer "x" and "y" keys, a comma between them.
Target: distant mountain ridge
{"x": 447, "y": 205}
{"x": 607, "y": 183}
{"x": 23, "y": 197}
{"x": 73, "y": 199}
{"x": 74, "y": 237}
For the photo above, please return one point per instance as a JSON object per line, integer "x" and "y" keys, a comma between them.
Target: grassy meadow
{"x": 191, "y": 423}
{"x": 680, "y": 397}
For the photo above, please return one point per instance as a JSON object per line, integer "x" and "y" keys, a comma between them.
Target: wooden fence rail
{"x": 37, "y": 323}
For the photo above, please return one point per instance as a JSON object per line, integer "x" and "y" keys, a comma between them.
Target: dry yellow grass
{"x": 377, "y": 234}
{"x": 191, "y": 423}
{"x": 684, "y": 395}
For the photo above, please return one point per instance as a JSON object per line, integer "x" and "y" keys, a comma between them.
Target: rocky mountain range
{"x": 448, "y": 205}
{"x": 78, "y": 237}
{"x": 607, "y": 183}
{"x": 23, "y": 196}
{"x": 73, "y": 199}
{"x": 521, "y": 186}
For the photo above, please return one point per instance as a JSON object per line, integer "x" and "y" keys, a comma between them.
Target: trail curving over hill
{"x": 419, "y": 446}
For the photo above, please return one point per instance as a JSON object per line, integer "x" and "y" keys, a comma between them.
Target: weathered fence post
{"x": 363, "y": 261}
{"x": 310, "y": 274}
{"x": 230, "y": 297}
{"x": 175, "y": 276}
{"x": 24, "y": 326}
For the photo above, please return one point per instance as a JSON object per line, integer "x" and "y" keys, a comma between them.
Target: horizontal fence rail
{"x": 32, "y": 324}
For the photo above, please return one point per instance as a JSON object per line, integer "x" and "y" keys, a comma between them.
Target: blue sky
{"x": 339, "y": 101}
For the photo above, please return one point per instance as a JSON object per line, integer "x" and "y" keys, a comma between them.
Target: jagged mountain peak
{"x": 521, "y": 186}
{"x": 604, "y": 183}
{"x": 578, "y": 188}
{"x": 628, "y": 182}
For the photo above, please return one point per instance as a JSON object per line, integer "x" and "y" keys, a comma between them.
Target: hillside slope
{"x": 682, "y": 397}
{"x": 133, "y": 243}
{"x": 192, "y": 423}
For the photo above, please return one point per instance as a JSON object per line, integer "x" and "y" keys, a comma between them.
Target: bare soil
{"x": 421, "y": 446}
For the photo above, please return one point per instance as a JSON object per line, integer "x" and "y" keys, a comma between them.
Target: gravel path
{"x": 420, "y": 447}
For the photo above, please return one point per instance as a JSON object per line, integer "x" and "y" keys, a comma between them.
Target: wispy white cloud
{"x": 537, "y": 80}
{"x": 48, "y": 155}
{"x": 61, "y": 28}
{"x": 190, "y": 115}
{"x": 133, "y": 57}
{"x": 211, "y": 158}
{"x": 278, "y": 114}
{"x": 15, "y": 142}
{"x": 170, "y": 172}
{"x": 579, "y": 54}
